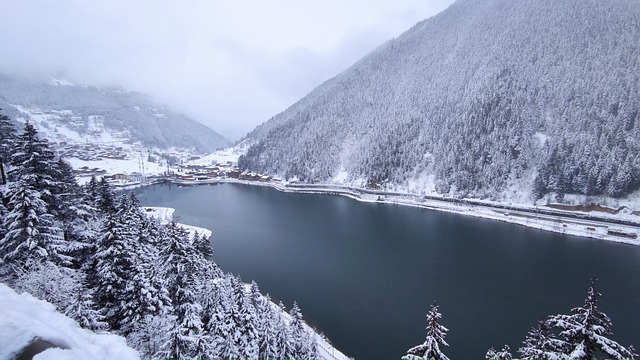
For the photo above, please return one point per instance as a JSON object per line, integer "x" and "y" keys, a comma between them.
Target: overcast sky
{"x": 229, "y": 64}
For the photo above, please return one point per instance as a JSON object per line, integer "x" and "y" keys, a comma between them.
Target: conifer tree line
{"x": 582, "y": 335}
{"x": 100, "y": 260}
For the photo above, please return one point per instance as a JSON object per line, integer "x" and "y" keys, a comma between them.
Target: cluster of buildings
{"x": 90, "y": 151}
{"x": 228, "y": 170}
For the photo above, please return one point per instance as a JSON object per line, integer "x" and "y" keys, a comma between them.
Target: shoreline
{"x": 543, "y": 218}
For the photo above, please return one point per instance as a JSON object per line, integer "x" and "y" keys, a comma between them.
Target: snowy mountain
{"x": 80, "y": 114}
{"x": 487, "y": 98}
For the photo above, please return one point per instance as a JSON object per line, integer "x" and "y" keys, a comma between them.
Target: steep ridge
{"x": 540, "y": 96}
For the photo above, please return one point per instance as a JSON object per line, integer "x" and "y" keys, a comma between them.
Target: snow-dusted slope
{"x": 83, "y": 114}
{"x": 488, "y": 96}
{"x": 24, "y": 318}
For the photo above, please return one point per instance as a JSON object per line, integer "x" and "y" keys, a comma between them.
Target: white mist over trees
{"x": 482, "y": 96}
{"x": 144, "y": 119}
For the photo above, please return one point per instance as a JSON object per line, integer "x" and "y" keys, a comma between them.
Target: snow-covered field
{"x": 165, "y": 215}
{"x": 24, "y": 318}
{"x": 230, "y": 154}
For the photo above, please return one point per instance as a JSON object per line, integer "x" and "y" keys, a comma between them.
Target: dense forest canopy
{"x": 485, "y": 95}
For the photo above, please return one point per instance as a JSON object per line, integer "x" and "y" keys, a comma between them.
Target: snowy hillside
{"x": 541, "y": 97}
{"x": 25, "y": 319}
{"x": 64, "y": 112}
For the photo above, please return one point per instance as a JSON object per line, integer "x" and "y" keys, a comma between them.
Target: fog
{"x": 228, "y": 64}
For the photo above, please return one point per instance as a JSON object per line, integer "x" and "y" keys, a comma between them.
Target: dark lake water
{"x": 365, "y": 274}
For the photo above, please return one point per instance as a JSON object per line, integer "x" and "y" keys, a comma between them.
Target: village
{"x": 123, "y": 171}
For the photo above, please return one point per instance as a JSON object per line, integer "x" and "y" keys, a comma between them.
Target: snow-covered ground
{"x": 165, "y": 215}
{"x": 24, "y": 318}
{"x": 116, "y": 166}
{"x": 223, "y": 156}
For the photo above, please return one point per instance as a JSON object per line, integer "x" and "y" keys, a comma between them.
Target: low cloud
{"x": 230, "y": 65}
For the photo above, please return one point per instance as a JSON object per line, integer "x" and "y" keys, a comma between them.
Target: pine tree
{"x": 69, "y": 192}
{"x": 202, "y": 244}
{"x": 31, "y": 233}
{"x": 75, "y": 214}
{"x": 145, "y": 294}
{"x": 300, "y": 341}
{"x": 431, "y": 348}
{"x": 7, "y": 138}
{"x": 504, "y": 354}
{"x": 143, "y": 289}
{"x": 3, "y": 229}
{"x": 279, "y": 327}
{"x": 112, "y": 266}
{"x": 105, "y": 202}
{"x": 92, "y": 191}
{"x": 244, "y": 317}
{"x": 152, "y": 336}
{"x": 190, "y": 340}
{"x": 30, "y": 230}
{"x": 267, "y": 346}
{"x": 222, "y": 326}
{"x": 177, "y": 256}
{"x": 587, "y": 329}
{"x": 85, "y": 311}
{"x": 50, "y": 282}
{"x": 33, "y": 164}
{"x": 541, "y": 344}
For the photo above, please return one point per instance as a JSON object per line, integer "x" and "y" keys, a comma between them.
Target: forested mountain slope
{"x": 132, "y": 115}
{"x": 486, "y": 95}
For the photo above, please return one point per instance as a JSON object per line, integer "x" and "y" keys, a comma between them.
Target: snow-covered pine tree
{"x": 33, "y": 163}
{"x": 3, "y": 214}
{"x": 47, "y": 281}
{"x": 31, "y": 233}
{"x": 431, "y": 348}
{"x": 105, "y": 202}
{"x": 267, "y": 346}
{"x": 7, "y": 138}
{"x": 152, "y": 336}
{"x": 189, "y": 337}
{"x": 245, "y": 320}
{"x": 69, "y": 192}
{"x": 145, "y": 289}
{"x": 222, "y": 326}
{"x": 587, "y": 329}
{"x": 112, "y": 266}
{"x": 300, "y": 342}
{"x": 278, "y": 330}
{"x": 504, "y": 354}
{"x": 263, "y": 321}
{"x": 92, "y": 191}
{"x": 146, "y": 293}
{"x": 64, "y": 288}
{"x": 541, "y": 344}
{"x": 178, "y": 257}
{"x": 85, "y": 311}
{"x": 202, "y": 244}
{"x": 75, "y": 214}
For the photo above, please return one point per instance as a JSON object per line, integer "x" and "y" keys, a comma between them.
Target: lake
{"x": 365, "y": 274}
